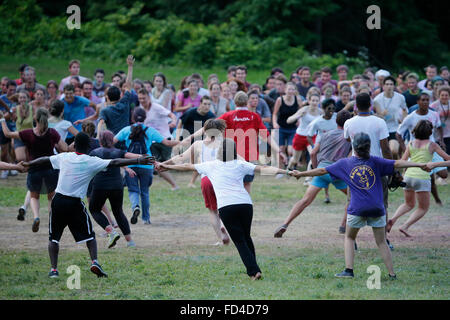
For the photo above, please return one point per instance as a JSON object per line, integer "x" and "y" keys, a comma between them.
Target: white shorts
{"x": 358, "y": 222}
{"x": 417, "y": 185}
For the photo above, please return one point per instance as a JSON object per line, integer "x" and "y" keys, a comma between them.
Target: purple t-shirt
{"x": 363, "y": 176}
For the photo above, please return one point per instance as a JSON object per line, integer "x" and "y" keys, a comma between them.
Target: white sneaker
{"x": 441, "y": 182}
{"x": 279, "y": 176}
{"x": 4, "y": 174}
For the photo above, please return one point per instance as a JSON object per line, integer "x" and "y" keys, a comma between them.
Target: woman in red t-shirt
{"x": 40, "y": 142}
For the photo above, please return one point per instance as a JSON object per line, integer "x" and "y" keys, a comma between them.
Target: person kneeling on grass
{"x": 363, "y": 173}
{"x": 233, "y": 201}
{"x": 67, "y": 208}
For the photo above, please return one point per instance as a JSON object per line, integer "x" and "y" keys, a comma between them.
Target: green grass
{"x": 179, "y": 268}
{"x": 57, "y": 69}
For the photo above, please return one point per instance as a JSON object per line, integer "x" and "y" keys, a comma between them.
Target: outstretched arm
{"x": 178, "y": 167}
{"x": 39, "y": 162}
{"x": 408, "y": 164}
{"x": 310, "y": 173}
{"x": 271, "y": 170}
{"x": 127, "y": 162}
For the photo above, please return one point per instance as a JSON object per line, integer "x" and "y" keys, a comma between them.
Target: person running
{"x": 39, "y": 141}
{"x": 362, "y": 173}
{"x": 201, "y": 151}
{"x": 138, "y": 139}
{"x": 286, "y": 106}
{"x": 108, "y": 185}
{"x": 418, "y": 183}
{"x": 67, "y": 208}
{"x": 332, "y": 147}
{"x": 234, "y": 203}
{"x": 305, "y": 116}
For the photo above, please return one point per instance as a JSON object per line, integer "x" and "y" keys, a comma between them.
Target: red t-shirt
{"x": 244, "y": 127}
{"x": 39, "y": 146}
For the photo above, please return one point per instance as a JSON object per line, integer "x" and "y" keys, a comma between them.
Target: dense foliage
{"x": 259, "y": 33}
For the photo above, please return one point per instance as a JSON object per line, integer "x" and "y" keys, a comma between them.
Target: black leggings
{"x": 98, "y": 199}
{"x": 238, "y": 220}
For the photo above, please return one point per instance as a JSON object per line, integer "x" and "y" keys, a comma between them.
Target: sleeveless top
{"x": 285, "y": 112}
{"x": 304, "y": 122}
{"x": 419, "y": 155}
{"x": 220, "y": 108}
{"x": 208, "y": 154}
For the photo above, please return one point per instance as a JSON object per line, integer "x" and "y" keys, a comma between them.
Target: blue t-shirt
{"x": 363, "y": 176}
{"x": 151, "y": 135}
{"x": 75, "y": 111}
{"x": 117, "y": 116}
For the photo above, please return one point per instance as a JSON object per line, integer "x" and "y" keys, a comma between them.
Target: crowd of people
{"x": 73, "y": 136}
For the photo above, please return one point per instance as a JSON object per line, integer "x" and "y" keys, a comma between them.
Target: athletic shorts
{"x": 69, "y": 212}
{"x": 285, "y": 136}
{"x": 3, "y": 138}
{"x": 437, "y": 158}
{"x": 325, "y": 180}
{"x": 358, "y": 222}
{"x": 161, "y": 152}
{"x": 300, "y": 143}
{"x": 392, "y": 136}
{"x": 208, "y": 194}
{"x": 42, "y": 181}
{"x": 417, "y": 185}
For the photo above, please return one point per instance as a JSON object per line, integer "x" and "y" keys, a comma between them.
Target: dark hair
{"x": 227, "y": 151}
{"x": 99, "y": 71}
{"x": 139, "y": 114}
{"x": 423, "y": 94}
{"x": 22, "y": 67}
{"x": 327, "y": 102}
{"x": 241, "y": 67}
{"x": 252, "y": 92}
{"x": 326, "y": 70}
{"x": 363, "y": 101}
{"x": 389, "y": 78}
{"x": 269, "y": 77}
{"x": 56, "y": 108}
{"x": 52, "y": 82}
{"x": 87, "y": 81}
{"x": 423, "y": 130}
{"x": 88, "y": 127}
{"x": 113, "y": 93}
{"x": 205, "y": 98}
{"x": 116, "y": 75}
{"x": 231, "y": 69}
{"x": 106, "y": 139}
{"x": 162, "y": 76}
{"x": 275, "y": 70}
{"x": 82, "y": 142}
{"x": 218, "y": 124}
{"x": 11, "y": 83}
{"x": 76, "y": 78}
{"x": 361, "y": 145}
{"x": 342, "y": 116}
{"x": 143, "y": 91}
{"x": 69, "y": 87}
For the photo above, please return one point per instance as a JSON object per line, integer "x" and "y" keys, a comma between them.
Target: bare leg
{"x": 168, "y": 177}
{"x": 423, "y": 199}
{"x": 295, "y": 159}
{"x": 344, "y": 218}
{"x": 410, "y": 202}
{"x": 349, "y": 246}
{"x": 217, "y": 225}
{"x": 35, "y": 206}
{"x": 191, "y": 184}
{"x": 21, "y": 154}
{"x": 301, "y": 205}
{"x": 380, "y": 239}
{"x": 27, "y": 200}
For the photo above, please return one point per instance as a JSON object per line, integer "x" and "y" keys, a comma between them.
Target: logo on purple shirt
{"x": 363, "y": 177}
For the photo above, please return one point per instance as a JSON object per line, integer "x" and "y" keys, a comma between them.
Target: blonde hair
{"x": 241, "y": 99}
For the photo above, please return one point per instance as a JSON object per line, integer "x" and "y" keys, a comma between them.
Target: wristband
{"x": 2, "y": 120}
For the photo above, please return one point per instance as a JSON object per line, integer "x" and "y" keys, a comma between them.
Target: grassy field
{"x": 175, "y": 258}
{"x": 56, "y": 69}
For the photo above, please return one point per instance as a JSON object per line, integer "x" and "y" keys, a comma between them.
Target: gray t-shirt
{"x": 333, "y": 146}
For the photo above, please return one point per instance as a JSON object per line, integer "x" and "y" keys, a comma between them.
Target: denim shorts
{"x": 417, "y": 185}
{"x": 285, "y": 136}
{"x": 18, "y": 143}
{"x": 325, "y": 180}
{"x": 358, "y": 222}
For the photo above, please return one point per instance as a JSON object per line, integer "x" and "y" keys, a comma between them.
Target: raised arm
{"x": 6, "y": 132}
{"x": 130, "y": 62}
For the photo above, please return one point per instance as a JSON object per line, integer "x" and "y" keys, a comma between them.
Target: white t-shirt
{"x": 395, "y": 107}
{"x": 375, "y": 127}
{"x": 320, "y": 125}
{"x": 158, "y": 118}
{"x": 75, "y": 172}
{"x": 227, "y": 180}
{"x": 410, "y": 122}
{"x": 61, "y": 127}
{"x": 302, "y": 128}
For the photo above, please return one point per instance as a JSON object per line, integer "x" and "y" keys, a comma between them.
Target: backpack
{"x": 138, "y": 144}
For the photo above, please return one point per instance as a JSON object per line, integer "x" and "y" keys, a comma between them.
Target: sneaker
{"x": 13, "y": 173}
{"x": 344, "y": 274}
{"x": 390, "y": 245}
{"x": 136, "y": 213}
{"x": 21, "y": 215}
{"x": 53, "y": 274}
{"x": 327, "y": 200}
{"x": 4, "y": 174}
{"x": 97, "y": 269}
{"x": 35, "y": 226}
{"x": 392, "y": 277}
{"x": 131, "y": 244}
{"x": 279, "y": 176}
{"x": 147, "y": 222}
{"x": 113, "y": 237}
{"x": 342, "y": 230}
